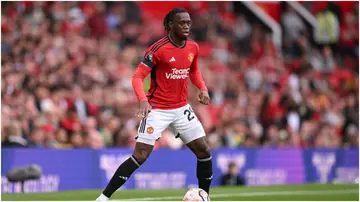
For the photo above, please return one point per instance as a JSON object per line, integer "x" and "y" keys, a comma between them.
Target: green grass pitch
{"x": 306, "y": 192}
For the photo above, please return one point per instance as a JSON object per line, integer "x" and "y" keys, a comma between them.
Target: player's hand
{"x": 203, "y": 97}
{"x": 144, "y": 109}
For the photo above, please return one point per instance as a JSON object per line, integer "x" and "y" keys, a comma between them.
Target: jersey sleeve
{"x": 143, "y": 70}
{"x": 150, "y": 59}
{"x": 195, "y": 73}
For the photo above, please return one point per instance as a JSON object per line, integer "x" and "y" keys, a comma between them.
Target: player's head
{"x": 178, "y": 22}
{"x": 233, "y": 170}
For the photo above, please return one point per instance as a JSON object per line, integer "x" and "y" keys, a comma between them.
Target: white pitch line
{"x": 278, "y": 193}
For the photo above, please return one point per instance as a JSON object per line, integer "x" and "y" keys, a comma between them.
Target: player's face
{"x": 181, "y": 25}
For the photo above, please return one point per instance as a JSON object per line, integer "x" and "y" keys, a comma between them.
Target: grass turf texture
{"x": 309, "y": 192}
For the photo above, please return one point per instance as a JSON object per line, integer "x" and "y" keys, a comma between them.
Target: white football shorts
{"x": 183, "y": 122}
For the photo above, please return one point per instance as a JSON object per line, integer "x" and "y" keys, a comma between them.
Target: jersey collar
{"x": 173, "y": 43}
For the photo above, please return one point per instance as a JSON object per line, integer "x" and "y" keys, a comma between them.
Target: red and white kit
{"x": 169, "y": 66}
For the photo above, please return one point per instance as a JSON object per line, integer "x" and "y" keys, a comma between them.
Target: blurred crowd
{"x": 67, "y": 70}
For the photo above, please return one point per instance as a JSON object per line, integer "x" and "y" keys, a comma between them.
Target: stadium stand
{"x": 67, "y": 69}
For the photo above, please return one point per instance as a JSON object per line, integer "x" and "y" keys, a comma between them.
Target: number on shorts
{"x": 188, "y": 112}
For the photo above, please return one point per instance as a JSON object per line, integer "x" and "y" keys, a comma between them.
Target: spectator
{"x": 328, "y": 30}
{"x": 242, "y": 31}
{"x": 93, "y": 140}
{"x": 352, "y": 136}
{"x": 62, "y": 138}
{"x": 326, "y": 137}
{"x": 349, "y": 36}
{"x": 37, "y": 138}
{"x": 221, "y": 52}
{"x": 97, "y": 23}
{"x": 77, "y": 140}
{"x": 115, "y": 17}
{"x": 253, "y": 79}
{"x": 109, "y": 130}
{"x": 272, "y": 136}
{"x": 78, "y": 103}
{"x": 13, "y": 136}
{"x": 293, "y": 25}
{"x": 232, "y": 178}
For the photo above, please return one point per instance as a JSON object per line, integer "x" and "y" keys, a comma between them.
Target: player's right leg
{"x": 149, "y": 131}
{"x": 141, "y": 153}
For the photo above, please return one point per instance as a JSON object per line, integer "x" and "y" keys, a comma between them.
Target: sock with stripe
{"x": 121, "y": 175}
{"x": 204, "y": 173}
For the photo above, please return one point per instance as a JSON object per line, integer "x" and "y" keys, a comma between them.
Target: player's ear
{"x": 171, "y": 24}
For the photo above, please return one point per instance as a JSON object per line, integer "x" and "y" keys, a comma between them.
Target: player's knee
{"x": 203, "y": 151}
{"x": 141, "y": 156}
{"x": 142, "y": 152}
{"x": 206, "y": 151}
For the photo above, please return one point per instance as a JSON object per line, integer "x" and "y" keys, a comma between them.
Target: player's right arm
{"x": 143, "y": 70}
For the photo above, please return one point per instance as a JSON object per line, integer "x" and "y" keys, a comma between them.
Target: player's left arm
{"x": 197, "y": 79}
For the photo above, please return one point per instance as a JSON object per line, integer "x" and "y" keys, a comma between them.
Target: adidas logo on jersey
{"x": 172, "y": 59}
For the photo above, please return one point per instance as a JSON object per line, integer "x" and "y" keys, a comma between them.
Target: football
{"x": 196, "y": 194}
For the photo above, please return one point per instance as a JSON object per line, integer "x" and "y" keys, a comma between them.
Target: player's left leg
{"x": 204, "y": 163}
{"x": 192, "y": 133}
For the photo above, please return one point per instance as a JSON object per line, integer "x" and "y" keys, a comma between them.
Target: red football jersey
{"x": 170, "y": 66}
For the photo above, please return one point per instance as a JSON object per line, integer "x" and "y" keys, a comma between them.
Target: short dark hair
{"x": 232, "y": 165}
{"x": 170, "y": 15}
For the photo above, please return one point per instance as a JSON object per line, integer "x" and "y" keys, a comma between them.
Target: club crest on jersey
{"x": 150, "y": 130}
{"x": 191, "y": 57}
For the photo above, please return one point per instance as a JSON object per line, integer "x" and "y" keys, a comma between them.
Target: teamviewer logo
{"x": 178, "y": 73}
{"x": 323, "y": 163}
